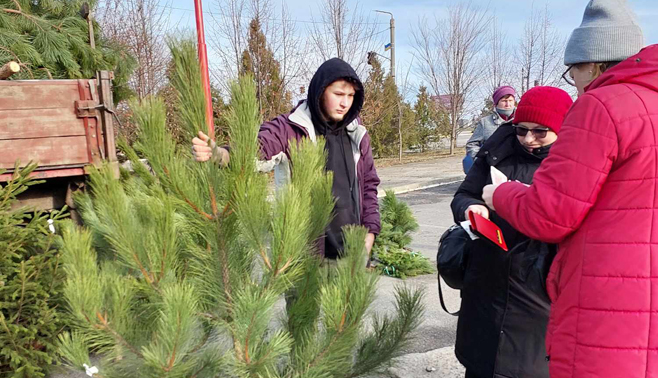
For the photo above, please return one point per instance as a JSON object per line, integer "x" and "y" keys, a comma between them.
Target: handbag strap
{"x": 443, "y": 304}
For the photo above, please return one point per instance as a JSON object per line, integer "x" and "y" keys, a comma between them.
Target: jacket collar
{"x": 499, "y": 119}
{"x": 640, "y": 69}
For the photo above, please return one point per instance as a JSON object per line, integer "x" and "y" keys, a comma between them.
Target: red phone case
{"x": 487, "y": 229}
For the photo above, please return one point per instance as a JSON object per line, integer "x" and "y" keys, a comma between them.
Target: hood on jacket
{"x": 640, "y": 69}
{"x": 329, "y": 72}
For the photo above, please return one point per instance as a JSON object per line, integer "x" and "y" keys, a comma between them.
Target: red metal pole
{"x": 203, "y": 61}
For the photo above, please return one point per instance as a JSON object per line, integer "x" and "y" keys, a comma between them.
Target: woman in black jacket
{"x": 504, "y": 308}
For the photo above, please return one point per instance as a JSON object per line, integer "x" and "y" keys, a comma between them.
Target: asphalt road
{"x": 432, "y": 351}
{"x": 432, "y": 210}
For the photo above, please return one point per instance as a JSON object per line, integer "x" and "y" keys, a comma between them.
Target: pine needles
{"x": 30, "y": 284}
{"x": 50, "y": 40}
{"x": 390, "y": 248}
{"x": 180, "y": 270}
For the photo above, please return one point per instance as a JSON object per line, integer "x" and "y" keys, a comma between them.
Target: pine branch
{"x": 106, "y": 326}
{"x": 213, "y": 201}
{"x": 246, "y": 340}
{"x": 173, "y": 353}
{"x": 187, "y": 200}
{"x": 390, "y": 335}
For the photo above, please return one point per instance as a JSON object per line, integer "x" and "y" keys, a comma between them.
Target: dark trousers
{"x": 470, "y": 374}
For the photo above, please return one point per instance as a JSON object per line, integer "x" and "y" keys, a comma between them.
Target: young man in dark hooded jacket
{"x": 331, "y": 110}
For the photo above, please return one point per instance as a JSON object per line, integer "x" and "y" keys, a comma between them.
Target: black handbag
{"x": 451, "y": 260}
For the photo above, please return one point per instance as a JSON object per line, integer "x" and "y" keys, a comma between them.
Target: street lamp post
{"x": 392, "y": 42}
{"x": 392, "y": 73}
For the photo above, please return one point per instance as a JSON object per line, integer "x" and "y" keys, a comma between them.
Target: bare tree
{"x": 291, "y": 51}
{"x": 229, "y": 38}
{"x": 142, "y": 26}
{"x": 540, "y": 51}
{"x": 344, "y": 33}
{"x": 551, "y": 51}
{"x": 428, "y": 55}
{"x": 497, "y": 58}
{"x": 449, "y": 57}
{"x": 528, "y": 45}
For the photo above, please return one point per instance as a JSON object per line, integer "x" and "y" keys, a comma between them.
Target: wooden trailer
{"x": 65, "y": 126}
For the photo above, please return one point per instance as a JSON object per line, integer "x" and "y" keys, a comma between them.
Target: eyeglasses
{"x": 538, "y": 133}
{"x": 567, "y": 77}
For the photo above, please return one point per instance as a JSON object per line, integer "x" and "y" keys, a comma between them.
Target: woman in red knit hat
{"x": 504, "y": 308}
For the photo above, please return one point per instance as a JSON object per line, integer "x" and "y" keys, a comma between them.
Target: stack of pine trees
{"x": 50, "y": 40}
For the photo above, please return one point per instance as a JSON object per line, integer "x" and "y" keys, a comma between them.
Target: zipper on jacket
{"x": 548, "y": 358}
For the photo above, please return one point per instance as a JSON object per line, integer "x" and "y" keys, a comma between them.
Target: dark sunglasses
{"x": 568, "y": 78}
{"x": 523, "y": 131}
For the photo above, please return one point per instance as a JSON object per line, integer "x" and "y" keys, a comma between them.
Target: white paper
{"x": 497, "y": 177}
{"x": 466, "y": 225}
{"x": 90, "y": 370}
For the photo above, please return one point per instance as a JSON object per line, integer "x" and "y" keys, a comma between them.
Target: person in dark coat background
{"x": 504, "y": 309}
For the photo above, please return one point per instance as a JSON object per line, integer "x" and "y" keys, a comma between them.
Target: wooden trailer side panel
{"x": 41, "y": 121}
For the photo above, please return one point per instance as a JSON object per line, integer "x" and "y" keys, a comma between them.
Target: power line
{"x": 274, "y": 19}
{"x": 371, "y": 35}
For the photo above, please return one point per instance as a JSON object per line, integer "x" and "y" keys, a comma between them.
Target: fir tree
{"x": 50, "y": 40}
{"x": 30, "y": 283}
{"x": 178, "y": 272}
{"x": 258, "y": 61}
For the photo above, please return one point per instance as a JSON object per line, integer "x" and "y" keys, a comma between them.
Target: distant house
{"x": 443, "y": 102}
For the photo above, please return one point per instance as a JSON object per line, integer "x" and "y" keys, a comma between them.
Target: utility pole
{"x": 392, "y": 42}
{"x": 392, "y": 73}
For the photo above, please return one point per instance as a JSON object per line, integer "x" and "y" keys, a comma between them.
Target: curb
{"x": 421, "y": 185}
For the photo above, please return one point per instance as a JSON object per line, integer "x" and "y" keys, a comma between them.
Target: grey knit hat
{"x": 608, "y": 33}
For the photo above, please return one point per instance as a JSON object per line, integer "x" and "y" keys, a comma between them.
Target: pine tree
{"x": 431, "y": 122}
{"x": 391, "y": 246}
{"x": 381, "y": 112}
{"x": 258, "y": 61}
{"x": 178, "y": 272}
{"x": 30, "y": 283}
{"x": 50, "y": 40}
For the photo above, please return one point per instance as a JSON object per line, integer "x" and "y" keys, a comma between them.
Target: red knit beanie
{"x": 546, "y": 106}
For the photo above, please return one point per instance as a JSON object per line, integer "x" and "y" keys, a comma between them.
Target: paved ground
{"x": 414, "y": 176}
{"x": 434, "y": 341}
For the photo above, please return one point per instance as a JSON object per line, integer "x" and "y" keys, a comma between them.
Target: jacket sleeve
{"x": 370, "y": 217}
{"x": 568, "y": 182}
{"x": 273, "y": 138}
{"x": 470, "y": 190}
{"x": 475, "y": 141}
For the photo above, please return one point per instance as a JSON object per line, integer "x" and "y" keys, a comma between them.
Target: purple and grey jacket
{"x": 275, "y": 134}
